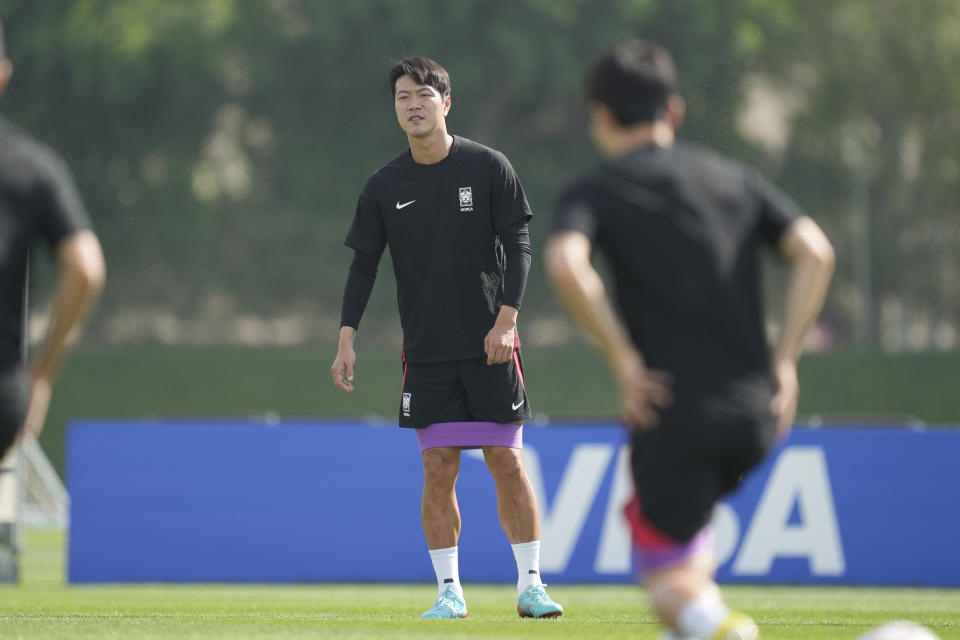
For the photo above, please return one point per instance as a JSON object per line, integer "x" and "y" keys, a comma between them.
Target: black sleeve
{"x": 776, "y": 210}
{"x": 516, "y": 246}
{"x": 60, "y": 211}
{"x": 367, "y": 233}
{"x": 575, "y": 212}
{"x": 508, "y": 203}
{"x": 356, "y": 294}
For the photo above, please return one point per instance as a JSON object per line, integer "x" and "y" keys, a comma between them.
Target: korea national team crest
{"x": 406, "y": 404}
{"x": 466, "y": 198}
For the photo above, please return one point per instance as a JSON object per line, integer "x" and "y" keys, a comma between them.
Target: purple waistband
{"x": 470, "y": 435}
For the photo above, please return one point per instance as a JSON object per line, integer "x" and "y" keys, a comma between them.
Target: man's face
{"x": 420, "y": 108}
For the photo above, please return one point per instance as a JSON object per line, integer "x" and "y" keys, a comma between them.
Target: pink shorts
{"x": 652, "y": 549}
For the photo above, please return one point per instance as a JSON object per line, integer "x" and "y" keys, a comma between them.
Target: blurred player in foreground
{"x": 38, "y": 202}
{"x": 682, "y": 229}
{"x": 455, "y": 217}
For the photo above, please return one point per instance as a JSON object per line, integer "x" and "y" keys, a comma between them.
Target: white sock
{"x": 527, "y": 555}
{"x": 447, "y": 567}
{"x": 671, "y": 635}
{"x": 702, "y": 616}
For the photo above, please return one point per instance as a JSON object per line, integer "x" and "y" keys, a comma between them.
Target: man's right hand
{"x": 643, "y": 391}
{"x": 342, "y": 367}
{"x": 784, "y": 403}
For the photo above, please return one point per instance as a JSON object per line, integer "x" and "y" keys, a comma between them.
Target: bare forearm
{"x": 586, "y": 300}
{"x": 805, "y": 297}
{"x": 347, "y": 336}
{"x": 811, "y": 270}
{"x": 507, "y": 316}
{"x": 79, "y": 284}
{"x": 581, "y": 291}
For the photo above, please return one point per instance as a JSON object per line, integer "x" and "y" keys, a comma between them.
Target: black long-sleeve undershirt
{"x": 356, "y": 293}
{"x": 519, "y": 255}
{"x": 363, "y": 274}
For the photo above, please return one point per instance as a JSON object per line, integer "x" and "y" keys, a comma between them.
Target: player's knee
{"x": 504, "y": 463}
{"x": 439, "y": 467}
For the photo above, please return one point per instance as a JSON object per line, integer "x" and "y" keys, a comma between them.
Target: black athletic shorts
{"x": 14, "y": 401}
{"x": 704, "y": 444}
{"x": 463, "y": 391}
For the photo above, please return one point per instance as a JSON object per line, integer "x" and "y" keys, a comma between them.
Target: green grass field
{"x": 44, "y": 607}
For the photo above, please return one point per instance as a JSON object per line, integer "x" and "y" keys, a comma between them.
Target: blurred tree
{"x": 879, "y": 96}
{"x": 220, "y": 144}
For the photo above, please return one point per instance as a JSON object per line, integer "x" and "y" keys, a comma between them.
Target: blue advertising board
{"x": 224, "y": 501}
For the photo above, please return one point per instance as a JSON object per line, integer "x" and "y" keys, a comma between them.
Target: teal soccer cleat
{"x": 535, "y": 603}
{"x": 448, "y": 605}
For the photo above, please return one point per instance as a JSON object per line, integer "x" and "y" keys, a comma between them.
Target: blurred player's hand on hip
{"x": 342, "y": 367}
{"x": 643, "y": 391}
{"x": 784, "y": 403}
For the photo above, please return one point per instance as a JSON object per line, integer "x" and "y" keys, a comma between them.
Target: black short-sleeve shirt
{"x": 681, "y": 228}
{"x": 441, "y": 222}
{"x": 38, "y": 202}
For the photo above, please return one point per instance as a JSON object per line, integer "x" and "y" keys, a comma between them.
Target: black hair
{"x": 423, "y": 71}
{"x": 635, "y": 80}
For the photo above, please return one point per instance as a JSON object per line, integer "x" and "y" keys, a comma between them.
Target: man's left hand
{"x": 499, "y": 343}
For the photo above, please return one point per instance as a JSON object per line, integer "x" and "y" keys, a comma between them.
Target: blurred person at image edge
{"x": 39, "y": 203}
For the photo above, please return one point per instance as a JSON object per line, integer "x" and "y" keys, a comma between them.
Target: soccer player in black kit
{"x": 38, "y": 204}
{"x": 455, "y": 217}
{"x": 682, "y": 229}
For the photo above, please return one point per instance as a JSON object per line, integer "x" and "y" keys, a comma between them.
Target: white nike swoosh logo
{"x": 518, "y": 405}
{"x": 405, "y": 204}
